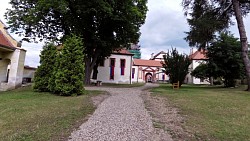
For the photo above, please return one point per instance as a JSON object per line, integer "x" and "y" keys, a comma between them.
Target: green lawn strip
{"x": 27, "y": 115}
{"x": 212, "y": 112}
{"x": 123, "y": 85}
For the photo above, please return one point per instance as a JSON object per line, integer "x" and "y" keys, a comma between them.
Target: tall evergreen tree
{"x": 45, "y": 70}
{"x": 69, "y": 72}
{"x": 176, "y": 66}
{"x": 217, "y": 14}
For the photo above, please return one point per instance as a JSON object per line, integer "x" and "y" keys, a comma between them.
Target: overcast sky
{"x": 164, "y": 28}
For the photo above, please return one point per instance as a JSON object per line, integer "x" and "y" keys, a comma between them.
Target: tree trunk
{"x": 88, "y": 71}
{"x": 95, "y": 71}
{"x": 211, "y": 80}
{"x": 243, "y": 39}
{"x": 89, "y": 65}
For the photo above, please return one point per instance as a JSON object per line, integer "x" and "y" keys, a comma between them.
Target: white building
{"x": 147, "y": 71}
{"x": 121, "y": 68}
{"x": 116, "y": 68}
{"x": 12, "y": 58}
{"x": 197, "y": 58}
{"x": 28, "y": 74}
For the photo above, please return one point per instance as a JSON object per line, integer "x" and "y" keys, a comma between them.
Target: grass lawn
{"x": 212, "y": 113}
{"x": 123, "y": 85}
{"x": 27, "y": 115}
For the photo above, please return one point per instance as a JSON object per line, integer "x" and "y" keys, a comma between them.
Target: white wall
{"x": 3, "y": 69}
{"x": 192, "y": 80}
{"x": 29, "y": 73}
{"x": 104, "y": 72}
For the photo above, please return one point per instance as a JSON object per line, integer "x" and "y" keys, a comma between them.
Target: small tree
{"x": 69, "y": 74}
{"x": 45, "y": 70}
{"x": 176, "y": 66}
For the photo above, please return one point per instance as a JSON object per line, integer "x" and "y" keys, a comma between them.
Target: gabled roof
{"x": 150, "y": 63}
{"x": 123, "y": 52}
{"x": 155, "y": 57}
{"x": 199, "y": 55}
{"x": 4, "y": 42}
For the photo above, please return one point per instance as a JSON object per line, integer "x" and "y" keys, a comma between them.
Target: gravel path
{"x": 120, "y": 117}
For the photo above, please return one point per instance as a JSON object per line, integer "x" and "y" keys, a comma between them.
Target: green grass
{"x": 27, "y": 115}
{"x": 212, "y": 113}
{"x": 123, "y": 85}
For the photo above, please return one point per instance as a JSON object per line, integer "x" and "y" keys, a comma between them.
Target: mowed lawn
{"x": 27, "y": 115}
{"x": 212, "y": 113}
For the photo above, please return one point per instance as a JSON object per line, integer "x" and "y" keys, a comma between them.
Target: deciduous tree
{"x": 225, "y": 59}
{"x": 103, "y": 25}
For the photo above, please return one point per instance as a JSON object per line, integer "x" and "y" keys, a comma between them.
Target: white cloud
{"x": 164, "y": 28}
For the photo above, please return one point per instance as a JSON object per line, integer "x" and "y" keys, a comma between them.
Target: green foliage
{"x": 61, "y": 72}
{"x": 45, "y": 70}
{"x": 201, "y": 71}
{"x": 206, "y": 17}
{"x": 204, "y": 22}
{"x": 225, "y": 59}
{"x": 176, "y": 66}
{"x": 103, "y": 25}
{"x": 69, "y": 73}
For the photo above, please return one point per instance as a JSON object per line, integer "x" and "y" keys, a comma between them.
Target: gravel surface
{"x": 120, "y": 117}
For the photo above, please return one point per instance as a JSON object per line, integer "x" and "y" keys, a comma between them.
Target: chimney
{"x": 191, "y": 51}
{"x": 152, "y": 56}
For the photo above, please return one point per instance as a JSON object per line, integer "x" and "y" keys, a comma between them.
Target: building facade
{"x": 12, "y": 58}
{"x": 197, "y": 58}
{"x": 116, "y": 68}
{"x": 122, "y": 68}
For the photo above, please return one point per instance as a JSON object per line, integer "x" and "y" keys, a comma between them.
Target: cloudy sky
{"x": 164, "y": 28}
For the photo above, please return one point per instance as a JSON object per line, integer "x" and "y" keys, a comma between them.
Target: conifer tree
{"x": 45, "y": 70}
{"x": 176, "y": 66}
{"x": 69, "y": 71}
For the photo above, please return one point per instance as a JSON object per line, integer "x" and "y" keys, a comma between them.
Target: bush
{"x": 69, "y": 73}
{"x": 45, "y": 70}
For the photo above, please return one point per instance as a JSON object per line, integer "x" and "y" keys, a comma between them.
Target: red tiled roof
{"x": 199, "y": 55}
{"x": 4, "y": 41}
{"x": 123, "y": 51}
{"x": 152, "y": 63}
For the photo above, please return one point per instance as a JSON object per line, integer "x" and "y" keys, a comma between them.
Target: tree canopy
{"x": 206, "y": 17}
{"x": 225, "y": 58}
{"x": 104, "y": 25}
